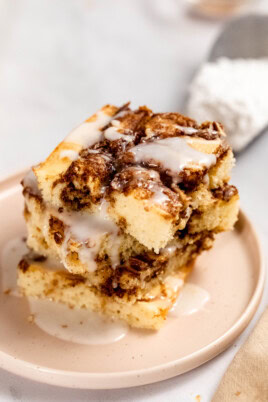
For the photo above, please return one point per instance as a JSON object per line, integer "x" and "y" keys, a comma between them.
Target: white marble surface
{"x": 62, "y": 59}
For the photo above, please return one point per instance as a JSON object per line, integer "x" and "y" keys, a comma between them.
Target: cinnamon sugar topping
{"x": 118, "y": 138}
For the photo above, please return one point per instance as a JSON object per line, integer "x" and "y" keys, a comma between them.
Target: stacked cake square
{"x": 120, "y": 210}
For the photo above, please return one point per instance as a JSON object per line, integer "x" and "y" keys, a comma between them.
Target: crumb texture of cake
{"x": 118, "y": 264}
{"x": 126, "y": 201}
{"x": 47, "y": 279}
{"x": 145, "y": 165}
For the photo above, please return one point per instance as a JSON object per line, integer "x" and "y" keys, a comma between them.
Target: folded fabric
{"x": 246, "y": 379}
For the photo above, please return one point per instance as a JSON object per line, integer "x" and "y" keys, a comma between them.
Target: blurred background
{"x": 61, "y": 60}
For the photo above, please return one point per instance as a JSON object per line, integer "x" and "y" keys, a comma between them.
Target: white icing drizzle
{"x": 30, "y": 181}
{"x": 122, "y": 113}
{"x": 153, "y": 183}
{"x": 159, "y": 196}
{"x": 89, "y": 133}
{"x": 115, "y": 122}
{"x": 174, "y": 283}
{"x": 171, "y": 249}
{"x": 191, "y": 299}
{"x": 112, "y": 134}
{"x": 187, "y": 130}
{"x": 141, "y": 171}
{"x": 69, "y": 153}
{"x": 99, "y": 152}
{"x": 152, "y": 173}
{"x": 89, "y": 232}
{"x": 172, "y": 286}
{"x": 173, "y": 153}
{"x": 75, "y": 325}
{"x": 191, "y": 130}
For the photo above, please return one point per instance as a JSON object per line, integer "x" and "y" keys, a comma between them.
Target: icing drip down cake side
{"x": 123, "y": 207}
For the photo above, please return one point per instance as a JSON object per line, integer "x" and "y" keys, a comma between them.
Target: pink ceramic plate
{"x": 232, "y": 272}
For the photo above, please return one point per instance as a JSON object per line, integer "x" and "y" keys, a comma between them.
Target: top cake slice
{"x": 156, "y": 172}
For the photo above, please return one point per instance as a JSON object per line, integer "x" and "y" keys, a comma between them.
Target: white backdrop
{"x": 61, "y": 60}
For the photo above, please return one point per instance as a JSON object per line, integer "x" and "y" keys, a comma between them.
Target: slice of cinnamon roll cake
{"x": 123, "y": 206}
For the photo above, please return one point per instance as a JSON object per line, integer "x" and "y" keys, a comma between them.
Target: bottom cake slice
{"x": 42, "y": 277}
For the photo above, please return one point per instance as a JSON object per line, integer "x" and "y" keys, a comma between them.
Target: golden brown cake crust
{"x": 127, "y": 201}
{"x": 98, "y": 168}
{"x": 42, "y": 279}
{"x": 144, "y": 165}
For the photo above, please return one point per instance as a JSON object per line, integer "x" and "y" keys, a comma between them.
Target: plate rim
{"x": 131, "y": 378}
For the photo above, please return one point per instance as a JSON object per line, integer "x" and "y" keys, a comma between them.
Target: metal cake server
{"x": 244, "y": 37}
